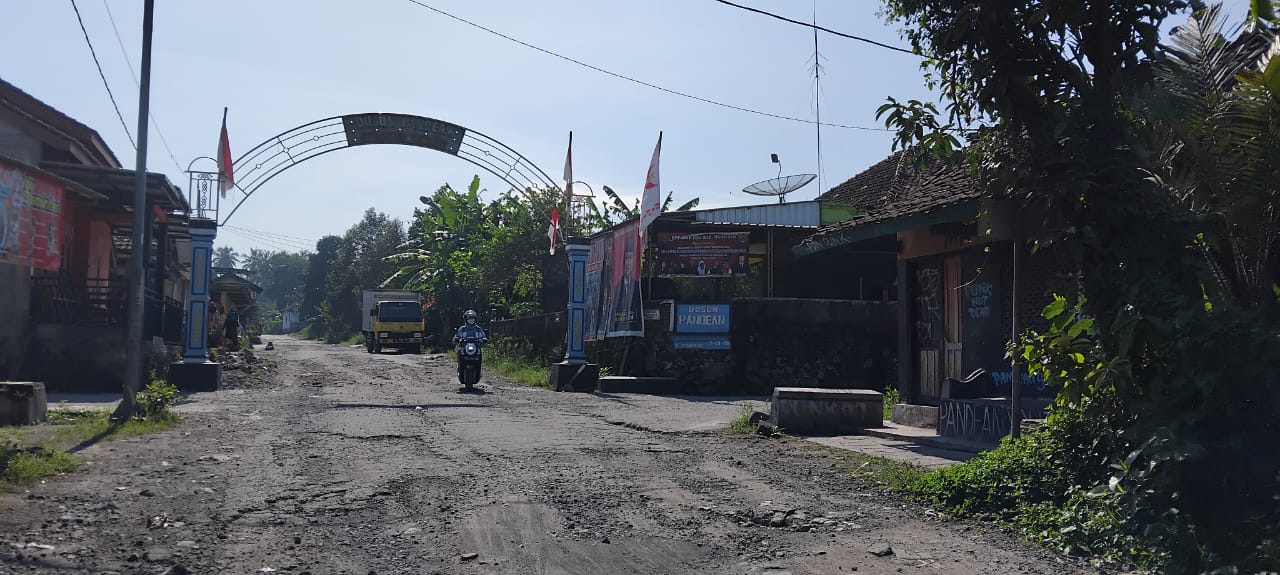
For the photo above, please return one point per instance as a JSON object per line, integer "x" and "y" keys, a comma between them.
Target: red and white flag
{"x": 651, "y": 201}
{"x": 554, "y": 228}
{"x": 568, "y": 172}
{"x": 226, "y": 179}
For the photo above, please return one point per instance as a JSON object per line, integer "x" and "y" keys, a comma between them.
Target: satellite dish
{"x": 780, "y": 186}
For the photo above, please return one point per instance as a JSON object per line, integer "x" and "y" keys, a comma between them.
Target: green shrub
{"x": 891, "y": 399}
{"x": 156, "y": 399}
{"x": 20, "y": 467}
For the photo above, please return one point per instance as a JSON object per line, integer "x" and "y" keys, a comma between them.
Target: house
{"x": 955, "y": 273}
{"x": 723, "y": 305}
{"x": 68, "y": 194}
{"x": 231, "y": 291}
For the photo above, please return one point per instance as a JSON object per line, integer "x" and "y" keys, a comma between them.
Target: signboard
{"x": 403, "y": 129}
{"x": 652, "y": 314}
{"x": 701, "y": 341}
{"x": 702, "y": 318}
{"x": 30, "y": 219}
{"x": 614, "y": 298}
{"x": 702, "y": 254}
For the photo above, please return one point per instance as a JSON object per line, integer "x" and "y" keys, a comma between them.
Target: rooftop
{"x": 54, "y": 128}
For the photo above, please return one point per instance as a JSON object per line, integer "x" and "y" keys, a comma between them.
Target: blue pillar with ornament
{"x": 195, "y": 372}
{"x": 574, "y": 373}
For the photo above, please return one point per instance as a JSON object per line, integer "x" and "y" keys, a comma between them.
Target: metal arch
{"x": 287, "y": 149}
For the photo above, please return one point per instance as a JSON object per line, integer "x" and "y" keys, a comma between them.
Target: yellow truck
{"x": 392, "y": 320}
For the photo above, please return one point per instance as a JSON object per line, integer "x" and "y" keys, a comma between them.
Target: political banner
{"x": 702, "y": 254}
{"x": 30, "y": 218}
{"x": 614, "y": 299}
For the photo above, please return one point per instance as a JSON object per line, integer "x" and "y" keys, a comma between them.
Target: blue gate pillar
{"x": 196, "y": 372}
{"x": 575, "y": 349}
{"x": 574, "y": 373}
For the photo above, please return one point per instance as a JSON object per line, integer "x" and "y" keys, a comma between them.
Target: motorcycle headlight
{"x": 471, "y": 349}
{"x": 384, "y": 334}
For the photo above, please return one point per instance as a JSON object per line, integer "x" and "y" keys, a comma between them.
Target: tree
{"x": 617, "y": 211}
{"x": 360, "y": 263}
{"x": 225, "y": 257}
{"x": 281, "y": 275}
{"x": 1056, "y": 89}
{"x": 318, "y": 266}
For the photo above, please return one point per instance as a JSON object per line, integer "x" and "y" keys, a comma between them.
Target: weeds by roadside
{"x": 741, "y": 425}
{"x": 518, "y": 362}
{"x": 896, "y": 476}
{"x": 890, "y": 399}
{"x": 21, "y": 466}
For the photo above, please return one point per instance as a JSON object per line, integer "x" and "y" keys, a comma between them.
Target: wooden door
{"x": 954, "y": 346}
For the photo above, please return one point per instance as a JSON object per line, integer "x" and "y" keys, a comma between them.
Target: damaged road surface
{"x": 344, "y": 462}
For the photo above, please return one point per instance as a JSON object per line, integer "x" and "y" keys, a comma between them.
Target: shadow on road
{"x": 472, "y": 391}
{"x": 405, "y": 406}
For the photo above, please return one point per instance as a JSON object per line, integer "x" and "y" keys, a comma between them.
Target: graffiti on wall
{"x": 979, "y": 421}
{"x": 930, "y": 304}
{"x": 1005, "y": 379}
{"x": 978, "y": 300}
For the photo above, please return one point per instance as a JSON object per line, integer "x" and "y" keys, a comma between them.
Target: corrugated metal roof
{"x": 796, "y": 214}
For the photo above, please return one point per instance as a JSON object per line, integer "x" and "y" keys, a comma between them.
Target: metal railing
{"x": 103, "y": 302}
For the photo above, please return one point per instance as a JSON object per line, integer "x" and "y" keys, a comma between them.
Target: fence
{"x": 102, "y": 302}
{"x": 545, "y": 332}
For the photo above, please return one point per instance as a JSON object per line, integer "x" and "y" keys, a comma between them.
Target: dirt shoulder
{"x": 336, "y": 461}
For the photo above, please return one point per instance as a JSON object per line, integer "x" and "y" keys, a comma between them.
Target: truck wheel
{"x": 414, "y": 349}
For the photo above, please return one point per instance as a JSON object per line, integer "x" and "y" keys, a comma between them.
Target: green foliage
{"x": 225, "y": 257}
{"x": 741, "y": 425}
{"x": 359, "y": 263}
{"x": 891, "y": 398}
{"x": 26, "y": 466}
{"x": 519, "y": 361}
{"x": 156, "y": 398}
{"x": 1171, "y": 374}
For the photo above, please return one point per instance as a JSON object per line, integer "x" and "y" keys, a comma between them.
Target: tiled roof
{"x": 894, "y": 188}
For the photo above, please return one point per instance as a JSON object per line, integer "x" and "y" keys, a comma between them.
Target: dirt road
{"x": 344, "y": 462}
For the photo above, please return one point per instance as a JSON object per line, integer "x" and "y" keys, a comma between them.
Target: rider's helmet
{"x": 469, "y": 316}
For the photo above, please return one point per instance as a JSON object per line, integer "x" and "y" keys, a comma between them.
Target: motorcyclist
{"x": 469, "y": 330}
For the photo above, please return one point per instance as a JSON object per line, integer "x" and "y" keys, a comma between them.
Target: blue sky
{"x": 283, "y": 63}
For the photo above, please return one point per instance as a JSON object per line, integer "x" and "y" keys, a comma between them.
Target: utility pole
{"x": 1015, "y": 395}
{"x": 134, "y": 355}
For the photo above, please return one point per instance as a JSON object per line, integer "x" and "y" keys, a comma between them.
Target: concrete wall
{"x": 15, "y": 323}
{"x": 78, "y": 358}
{"x": 813, "y": 343}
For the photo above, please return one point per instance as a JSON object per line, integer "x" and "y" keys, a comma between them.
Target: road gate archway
{"x": 263, "y": 162}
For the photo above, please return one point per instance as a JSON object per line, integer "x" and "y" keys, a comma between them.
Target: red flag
{"x": 568, "y": 171}
{"x": 651, "y": 200}
{"x": 226, "y": 180}
{"x": 554, "y": 228}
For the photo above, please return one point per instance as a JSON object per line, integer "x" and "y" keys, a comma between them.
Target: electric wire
{"x": 816, "y": 27}
{"x": 129, "y": 64}
{"x": 637, "y": 81}
{"x": 93, "y": 52}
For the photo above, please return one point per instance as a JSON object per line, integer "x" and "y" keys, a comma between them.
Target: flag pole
{"x": 568, "y": 187}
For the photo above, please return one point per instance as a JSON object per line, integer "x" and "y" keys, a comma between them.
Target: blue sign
{"x": 702, "y": 341}
{"x": 702, "y": 318}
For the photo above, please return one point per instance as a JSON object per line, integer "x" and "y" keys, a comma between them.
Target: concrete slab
{"x": 895, "y": 449}
{"x": 926, "y": 436}
{"x": 22, "y": 403}
{"x": 813, "y": 411}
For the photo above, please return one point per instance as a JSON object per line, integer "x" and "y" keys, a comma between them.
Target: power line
{"x": 269, "y": 243}
{"x": 312, "y": 240}
{"x": 103, "y": 76}
{"x": 634, "y": 80}
{"x": 816, "y": 27}
{"x": 129, "y": 63}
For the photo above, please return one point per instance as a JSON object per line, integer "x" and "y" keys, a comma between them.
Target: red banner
{"x": 30, "y": 218}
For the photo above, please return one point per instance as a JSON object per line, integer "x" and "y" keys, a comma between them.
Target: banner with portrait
{"x": 30, "y": 218}
{"x": 614, "y": 299}
{"x": 707, "y": 254}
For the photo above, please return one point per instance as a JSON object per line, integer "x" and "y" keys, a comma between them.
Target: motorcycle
{"x": 469, "y": 360}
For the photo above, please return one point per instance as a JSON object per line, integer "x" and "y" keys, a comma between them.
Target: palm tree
{"x": 1214, "y": 123}
{"x": 225, "y": 257}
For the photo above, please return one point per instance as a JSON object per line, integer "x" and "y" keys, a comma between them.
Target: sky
{"x": 279, "y": 64}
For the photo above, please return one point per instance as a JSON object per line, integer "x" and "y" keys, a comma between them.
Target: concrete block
{"x": 816, "y": 411}
{"x": 915, "y": 415}
{"x": 196, "y": 376}
{"x": 22, "y": 403}
{"x": 570, "y": 377}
